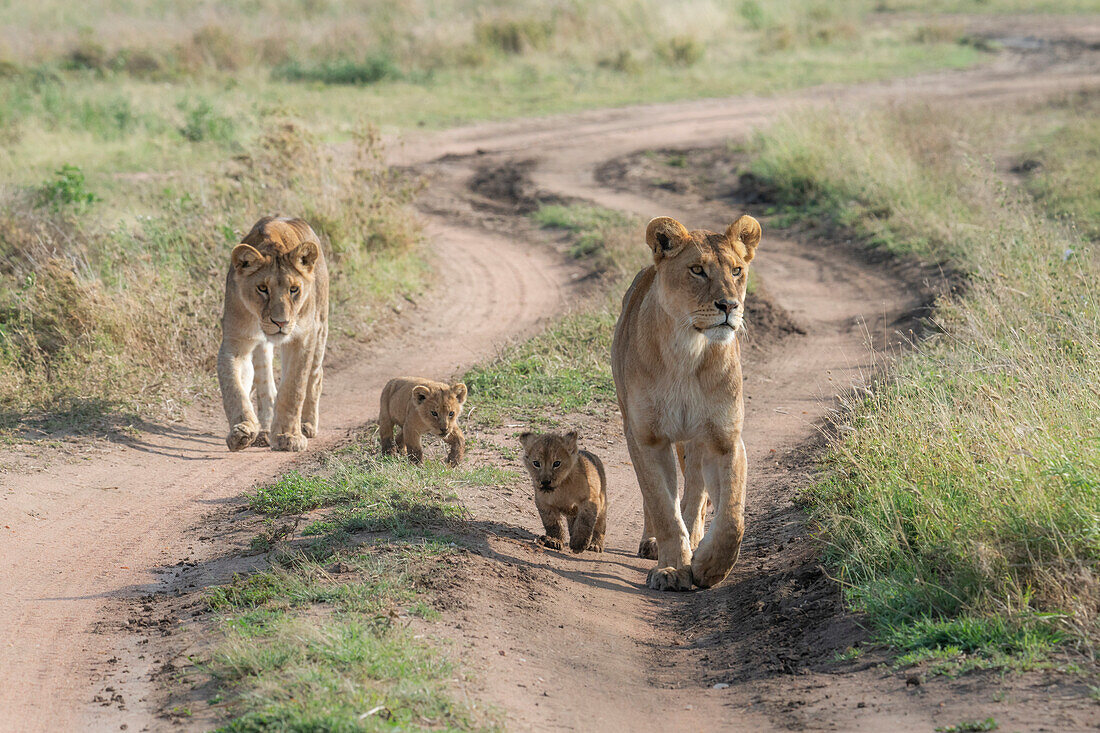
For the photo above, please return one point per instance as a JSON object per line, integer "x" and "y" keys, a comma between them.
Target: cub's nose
{"x": 726, "y": 305}
{"x": 546, "y": 484}
{"x": 280, "y": 324}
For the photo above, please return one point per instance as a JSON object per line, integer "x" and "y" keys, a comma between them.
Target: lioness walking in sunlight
{"x": 677, "y": 368}
{"x": 276, "y": 294}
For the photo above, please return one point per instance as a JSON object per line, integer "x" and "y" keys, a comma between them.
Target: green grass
{"x": 317, "y": 639}
{"x": 961, "y": 507}
{"x": 597, "y": 233}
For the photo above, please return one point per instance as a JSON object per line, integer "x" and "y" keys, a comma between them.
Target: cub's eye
{"x": 536, "y": 464}
{"x": 262, "y": 288}
{"x": 557, "y": 464}
{"x": 452, "y": 414}
{"x": 698, "y": 271}
{"x": 736, "y": 272}
{"x": 293, "y": 289}
{"x": 435, "y": 414}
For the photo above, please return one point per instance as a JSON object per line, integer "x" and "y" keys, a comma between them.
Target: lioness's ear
{"x": 305, "y": 257}
{"x": 246, "y": 259}
{"x": 571, "y": 441}
{"x": 665, "y": 237}
{"x": 421, "y": 393}
{"x": 525, "y": 439}
{"x": 459, "y": 391}
{"x": 744, "y": 236}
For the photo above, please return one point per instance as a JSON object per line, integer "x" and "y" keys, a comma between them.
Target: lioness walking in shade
{"x": 677, "y": 368}
{"x": 416, "y": 406}
{"x": 568, "y": 483}
{"x": 276, "y": 294}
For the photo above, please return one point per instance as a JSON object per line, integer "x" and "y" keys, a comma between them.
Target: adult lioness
{"x": 677, "y": 369}
{"x": 276, "y": 293}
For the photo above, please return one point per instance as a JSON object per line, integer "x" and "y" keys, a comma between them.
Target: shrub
{"x": 514, "y": 35}
{"x": 370, "y": 70}
{"x": 202, "y": 123}
{"x": 68, "y": 188}
{"x": 680, "y": 51}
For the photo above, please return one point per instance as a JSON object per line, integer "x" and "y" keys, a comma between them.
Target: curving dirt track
{"x": 77, "y": 535}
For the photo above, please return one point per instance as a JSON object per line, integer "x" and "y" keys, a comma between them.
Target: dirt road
{"x": 81, "y": 533}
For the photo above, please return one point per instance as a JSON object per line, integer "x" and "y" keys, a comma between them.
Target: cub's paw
{"x": 289, "y": 442}
{"x": 309, "y": 430}
{"x": 263, "y": 439}
{"x": 552, "y": 542}
{"x": 242, "y": 435}
{"x": 452, "y": 463}
{"x": 647, "y": 548}
{"x": 416, "y": 458}
{"x": 669, "y": 579}
{"x": 596, "y": 545}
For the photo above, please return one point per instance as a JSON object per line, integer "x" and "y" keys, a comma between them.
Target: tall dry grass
{"x": 962, "y": 505}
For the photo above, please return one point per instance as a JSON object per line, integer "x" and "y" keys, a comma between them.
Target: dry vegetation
{"x": 962, "y": 504}
{"x": 97, "y": 317}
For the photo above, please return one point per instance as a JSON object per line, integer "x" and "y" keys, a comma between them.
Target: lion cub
{"x": 417, "y": 406}
{"x": 568, "y": 482}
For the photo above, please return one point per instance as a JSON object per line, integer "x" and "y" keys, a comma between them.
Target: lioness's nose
{"x": 726, "y": 305}
{"x": 280, "y": 324}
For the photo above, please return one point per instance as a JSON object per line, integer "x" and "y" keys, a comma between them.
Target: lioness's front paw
{"x": 289, "y": 441}
{"x": 263, "y": 439}
{"x": 669, "y": 579}
{"x": 596, "y": 545}
{"x": 242, "y": 435}
{"x": 709, "y": 569}
{"x": 647, "y": 548}
{"x": 309, "y": 430}
{"x": 552, "y": 542}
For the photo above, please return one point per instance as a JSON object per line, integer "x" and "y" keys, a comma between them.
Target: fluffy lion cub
{"x": 568, "y": 482}
{"x": 276, "y": 294}
{"x": 417, "y": 406}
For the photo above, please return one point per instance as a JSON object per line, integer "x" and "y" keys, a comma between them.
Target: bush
{"x": 370, "y": 70}
{"x": 202, "y": 123}
{"x": 68, "y": 188}
{"x": 680, "y": 51}
{"x": 513, "y": 35}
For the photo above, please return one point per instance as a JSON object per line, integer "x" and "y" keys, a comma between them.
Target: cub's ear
{"x": 421, "y": 393}
{"x": 526, "y": 439}
{"x": 665, "y": 237}
{"x": 305, "y": 257}
{"x": 744, "y": 236}
{"x": 246, "y": 259}
{"x": 571, "y": 441}
{"x": 459, "y": 391}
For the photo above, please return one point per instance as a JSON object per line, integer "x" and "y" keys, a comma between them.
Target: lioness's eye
{"x": 293, "y": 289}
{"x": 736, "y": 271}
{"x": 698, "y": 270}
{"x": 557, "y": 463}
{"x": 435, "y": 414}
{"x": 262, "y": 288}
{"x": 536, "y": 464}
{"x": 452, "y": 414}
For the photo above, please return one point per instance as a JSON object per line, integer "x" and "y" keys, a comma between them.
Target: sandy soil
{"x": 584, "y": 643}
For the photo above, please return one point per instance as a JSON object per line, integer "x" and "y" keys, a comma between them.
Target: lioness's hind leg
{"x": 311, "y": 409}
{"x": 263, "y": 363}
{"x": 647, "y": 547}
{"x": 694, "y": 503}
